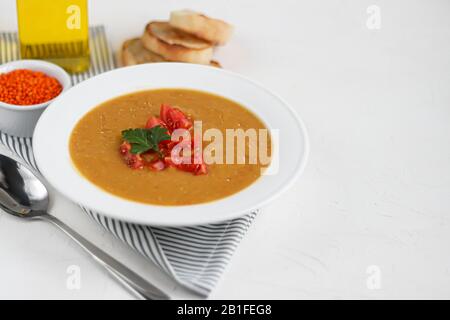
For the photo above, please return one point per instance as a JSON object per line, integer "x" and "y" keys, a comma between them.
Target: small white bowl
{"x": 20, "y": 121}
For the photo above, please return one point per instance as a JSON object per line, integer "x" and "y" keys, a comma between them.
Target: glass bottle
{"x": 56, "y": 31}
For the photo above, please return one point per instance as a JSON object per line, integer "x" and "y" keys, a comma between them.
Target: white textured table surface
{"x": 370, "y": 217}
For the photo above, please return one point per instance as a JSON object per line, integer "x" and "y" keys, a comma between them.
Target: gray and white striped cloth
{"x": 194, "y": 256}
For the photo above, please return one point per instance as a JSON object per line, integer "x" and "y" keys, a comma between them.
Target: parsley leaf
{"x": 143, "y": 140}
{"x": 159, "y": 134}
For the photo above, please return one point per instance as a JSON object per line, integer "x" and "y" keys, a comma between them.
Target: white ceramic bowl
{"x": 51, "y": 142}
{"x": 20, "y": 121}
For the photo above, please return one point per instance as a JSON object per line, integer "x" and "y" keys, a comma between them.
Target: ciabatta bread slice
{"x": 165, "y": 32}
{"x": 175, "y": 52}
{"x": 133, "y": 52}
{"x": 213, "y": 30}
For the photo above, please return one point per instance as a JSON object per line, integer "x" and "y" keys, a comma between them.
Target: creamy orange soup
{"x": 95, "y": 142}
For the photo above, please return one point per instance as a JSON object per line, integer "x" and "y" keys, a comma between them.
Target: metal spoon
{"x": 23, "y": 195}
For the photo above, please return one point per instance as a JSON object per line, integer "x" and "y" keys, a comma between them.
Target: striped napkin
{"x": 194, "y": 256}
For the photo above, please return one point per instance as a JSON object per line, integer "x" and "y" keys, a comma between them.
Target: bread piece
{"x": 213, "y": 30}
{"x": 165, "y": 32}
{"x": 133, "y": 52}
{"x": 175, "y": 52}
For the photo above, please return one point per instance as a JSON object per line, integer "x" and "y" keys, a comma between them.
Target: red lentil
{"x": 26, "y": 87}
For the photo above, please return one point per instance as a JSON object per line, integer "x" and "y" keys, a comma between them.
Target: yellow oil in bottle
{"x": 56, "y": 31}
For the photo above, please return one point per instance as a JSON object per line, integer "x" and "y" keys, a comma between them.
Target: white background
{"x": 376, "y": 191}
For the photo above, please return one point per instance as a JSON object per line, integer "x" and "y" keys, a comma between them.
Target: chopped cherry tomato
{"x": 179, "y": 120}
{"x": 201, "y": 169}
{"x": 157, "y": 165}
{"x": 168, "y": 161}
{"x": 164, "y": 112}
{"x": 125, "y": 148}
{"x": 197, "y": 169}
{"x": 134, "y": 161}
{"x": 153, "y": 122}
{"x": 174, "y": 118}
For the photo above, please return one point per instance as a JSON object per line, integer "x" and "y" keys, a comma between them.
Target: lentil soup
{"x": 97, "y": 148}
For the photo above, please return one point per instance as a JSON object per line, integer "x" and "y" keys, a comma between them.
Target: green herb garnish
{"x": 143, "y": 140}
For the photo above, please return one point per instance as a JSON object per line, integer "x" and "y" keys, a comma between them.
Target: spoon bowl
{"x": 21, "y": 193}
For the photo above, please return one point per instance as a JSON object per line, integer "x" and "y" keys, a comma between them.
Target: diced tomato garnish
{"x": 179, "y": 120}
{"x": 153, "y": 122}
{"x": 164, "y": 112}
{"x": 174, "y": 118}
{"x": 195, "y": 166}
{"x": 201, "y": 169}
{"x": 134, "y": 161}
{"x": 168, "y": 161}
{"x": 157, "y": 165}
{"x": 125, "y": 148}
{"x": 197, "y": 169}
{"x": 171, "y": 145}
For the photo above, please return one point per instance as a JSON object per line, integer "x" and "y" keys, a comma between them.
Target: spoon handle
{"x": 133, "y": 281}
